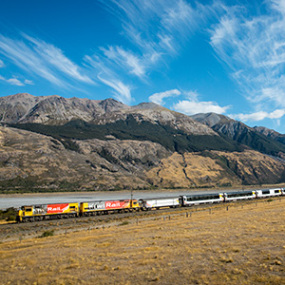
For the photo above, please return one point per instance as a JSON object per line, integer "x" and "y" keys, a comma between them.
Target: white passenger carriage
{"x": 268, "y": 193}
{"x": 190, "y": 200}
{"x": 241, "y": 195}
{"x": 157, "y": 203}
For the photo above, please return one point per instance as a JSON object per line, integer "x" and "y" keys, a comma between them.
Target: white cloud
{"x": 190, "y": 106}
{"x": 28, "y": 82}
{"x": 15, "y": 81}
{"x": 126, "y": 58}
{"x": 122, "y": 92}
{"x": 191, "y": 95}
{"x": 55, "y": 57}
{"x": 41, "y": 59}
{"x": 156, "y": 29}
{"x": 254, "y": 48}
{"x": 159, "y": 97}
{"x": 12, "y": 81}
{"x": 179, "y": 18}
{"x": 259, "y": 116}
{"x": 194, "y": 107}
{"x": 279, "y": 5}
{"x": 1, "y": 63}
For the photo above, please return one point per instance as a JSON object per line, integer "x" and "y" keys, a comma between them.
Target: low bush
{"x": 47, "y": 234}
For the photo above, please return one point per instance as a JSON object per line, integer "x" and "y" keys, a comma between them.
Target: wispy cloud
{"x": 158, "y": 98}
{"x": 122, "y": 92}
{"x": 28, "y": 82}
{"x": 179, "y": 17}
{"x": 153, "y": 30}
{"x": 12, "y": 81}
{"x": 259, "y": 116}
{"x": 127, "y": 59}
{"x": 156, "y": 30}
{"x": 254, "y": 48}
{"x": 191, "y": 105}
{"x": 56, "y": 59}
{"x": 107, "y": 76}
{"x": 194, "y": 107}
{"x": 1, "y": 63}
{"x": 41, "y": 59}
{"x": 16, "y": 81}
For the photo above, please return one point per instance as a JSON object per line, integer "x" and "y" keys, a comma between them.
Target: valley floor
{"x": 240, "y": 243}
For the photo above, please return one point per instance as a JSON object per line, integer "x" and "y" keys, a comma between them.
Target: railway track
{"x": 19, "y": 231}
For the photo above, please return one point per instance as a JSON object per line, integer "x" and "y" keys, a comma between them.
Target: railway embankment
{"x": 235, "y": 243}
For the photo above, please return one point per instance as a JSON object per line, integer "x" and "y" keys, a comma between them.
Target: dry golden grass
{"x": 244, "y": 245}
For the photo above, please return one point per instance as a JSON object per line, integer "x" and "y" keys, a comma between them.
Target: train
{"x": 31, "y": 213}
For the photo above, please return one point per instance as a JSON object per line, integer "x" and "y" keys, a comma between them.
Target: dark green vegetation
{"x": 172, "y": 139}
{"x": 8, "y": 215}
{"x": 244, "y": 135}
{"x": 47, "y": 234}
{"x": 32, "y": 184}
{"x": 130, "y": 129}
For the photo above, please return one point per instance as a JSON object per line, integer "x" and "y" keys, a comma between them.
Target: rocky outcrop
{"x": 271, "y": 134}
{"x": 56, "y": 110}
{"x": 258, "y": 138}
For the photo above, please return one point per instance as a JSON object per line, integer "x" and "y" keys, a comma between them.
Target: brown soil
{"x": 241, "y": 244}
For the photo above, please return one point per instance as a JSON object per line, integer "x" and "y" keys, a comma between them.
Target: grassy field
{"x": 243, "y": 244}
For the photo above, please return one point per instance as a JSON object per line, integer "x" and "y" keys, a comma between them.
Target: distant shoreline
{"x": 79, "y": 193}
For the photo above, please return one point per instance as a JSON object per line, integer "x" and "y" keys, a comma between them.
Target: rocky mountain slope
{"x": 271, "y": 134}
{"x": 260, "y": 139}
{"x": 55, "y": 110}
{"x": 51, "y": 142}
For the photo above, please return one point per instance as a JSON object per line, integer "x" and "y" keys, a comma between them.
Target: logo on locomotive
{"x": 115, "y": 204}
{"x": 57, "y": 208}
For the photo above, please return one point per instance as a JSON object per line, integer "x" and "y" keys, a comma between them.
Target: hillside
{"x": 271, "y": 134}
{"x": 52, "y": 143}
{"x": 244, "y": 245}
{"x": 258, "y": 139}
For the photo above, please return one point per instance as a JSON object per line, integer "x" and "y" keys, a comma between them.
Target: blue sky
{"x": 226, "y": 57}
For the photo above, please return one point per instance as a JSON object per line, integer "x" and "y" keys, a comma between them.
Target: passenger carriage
{"x": 157, "y": 203}
{"x": 268, "y": 193}
{"x": 242, "y": 195}
{"x": 190, "y": 200}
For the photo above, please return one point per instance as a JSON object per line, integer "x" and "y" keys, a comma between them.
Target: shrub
{"x": 47, "y": 234}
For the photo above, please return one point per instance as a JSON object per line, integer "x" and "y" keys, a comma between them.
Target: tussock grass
{"x": 47, "y": 234}
{"x": 244, "y": 245}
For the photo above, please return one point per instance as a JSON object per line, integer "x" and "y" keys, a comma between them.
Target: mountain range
{"x": 56, "y": 143}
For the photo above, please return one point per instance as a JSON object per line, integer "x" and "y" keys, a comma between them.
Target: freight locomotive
{"x": 99, "y": 207}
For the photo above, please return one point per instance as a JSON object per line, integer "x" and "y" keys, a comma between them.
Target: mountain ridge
{"x": 54, "y": 143}
{"x": 260, "y": 139}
